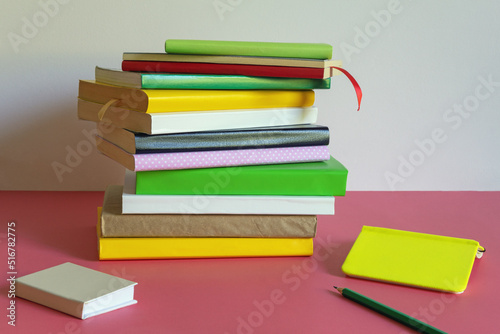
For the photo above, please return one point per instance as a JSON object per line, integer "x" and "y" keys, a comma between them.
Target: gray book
{"x": 76, "y": 290}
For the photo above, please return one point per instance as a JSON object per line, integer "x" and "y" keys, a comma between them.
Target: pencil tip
{"x": 335, "y": 287}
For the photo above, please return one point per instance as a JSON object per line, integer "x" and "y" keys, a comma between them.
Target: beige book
{"x": 242, "y": 60}
{"x": 76, "y": 290}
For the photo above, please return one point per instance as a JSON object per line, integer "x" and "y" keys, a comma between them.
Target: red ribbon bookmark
{"x": 359, "y": 93}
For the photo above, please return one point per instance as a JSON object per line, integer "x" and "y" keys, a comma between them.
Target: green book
{"x": 325, "y": 178}
{"x": 259, "y": 49}
{"x": 203, "y": 81}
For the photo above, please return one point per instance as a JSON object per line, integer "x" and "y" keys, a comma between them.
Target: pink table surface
{"x": 257, "y": 295}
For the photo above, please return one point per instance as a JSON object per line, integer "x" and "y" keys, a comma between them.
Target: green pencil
{"x": 389, "y": 312}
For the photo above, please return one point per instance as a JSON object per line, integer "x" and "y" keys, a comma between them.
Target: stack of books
{"x": 222, "y": 152}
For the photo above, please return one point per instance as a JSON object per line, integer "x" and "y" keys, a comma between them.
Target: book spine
{"x": 227, "y": 69}
{"x": 230, "y": 119}
{"x": 208, "y": 226}
{"x": 231, "y": 82}
{"x": 239, "y": 48}
{"x": 233, "y": 139}
{"x": 307, "y": 179}
{"x": 225, "y": 158}
{"x": 228, "y": 205}
{"x": 160, "y": 101}
{"x": 177, "y": 248}
{"x": 224, "y": 59}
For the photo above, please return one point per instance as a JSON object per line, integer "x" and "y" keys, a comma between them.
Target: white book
{"x": 193, "y": 121}
{"x": 223, "y": 204}
{"x": 76, "y": 290}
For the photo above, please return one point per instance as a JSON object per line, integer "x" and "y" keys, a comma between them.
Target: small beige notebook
{"x": 76, "y": 290}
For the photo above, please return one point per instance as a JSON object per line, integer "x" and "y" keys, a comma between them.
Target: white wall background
{"x": 429, "y": 118}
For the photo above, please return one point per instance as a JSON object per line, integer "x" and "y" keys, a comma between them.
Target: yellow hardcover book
{"x": 178, "y": 248}
{"x": 172, "y": 100}
{"x": 416, "y": 259}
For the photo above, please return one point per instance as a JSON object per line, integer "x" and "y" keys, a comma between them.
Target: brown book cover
{"x": 116, "y": 224}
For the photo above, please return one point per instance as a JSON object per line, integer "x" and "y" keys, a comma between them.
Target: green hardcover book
{"x": 325, "y": 178}
{"x": 259, "y": 49}
{"x": 203, "y": 81}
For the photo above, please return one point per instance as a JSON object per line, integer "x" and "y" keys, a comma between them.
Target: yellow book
{"x": 172, "y": 100}
{"x": 177, "y": 248}
{"x": 416, "y": 259}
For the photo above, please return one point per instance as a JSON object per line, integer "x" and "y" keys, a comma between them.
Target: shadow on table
{"x": 59, "y": 225}
{"x": 331, "y": 255}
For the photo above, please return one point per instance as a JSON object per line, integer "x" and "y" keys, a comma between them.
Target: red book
{"x": 228, "y": 69}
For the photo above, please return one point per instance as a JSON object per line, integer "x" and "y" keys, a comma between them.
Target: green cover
{"x": 198, "y": 81}
{"x": 259, "y": 49}
{"x": 325, "y": 178}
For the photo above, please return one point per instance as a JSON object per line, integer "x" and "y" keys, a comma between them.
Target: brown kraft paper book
{"x": 116, "y": 224}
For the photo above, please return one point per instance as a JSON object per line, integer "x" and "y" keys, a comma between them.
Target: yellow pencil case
{"x": 410, "y": 258}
